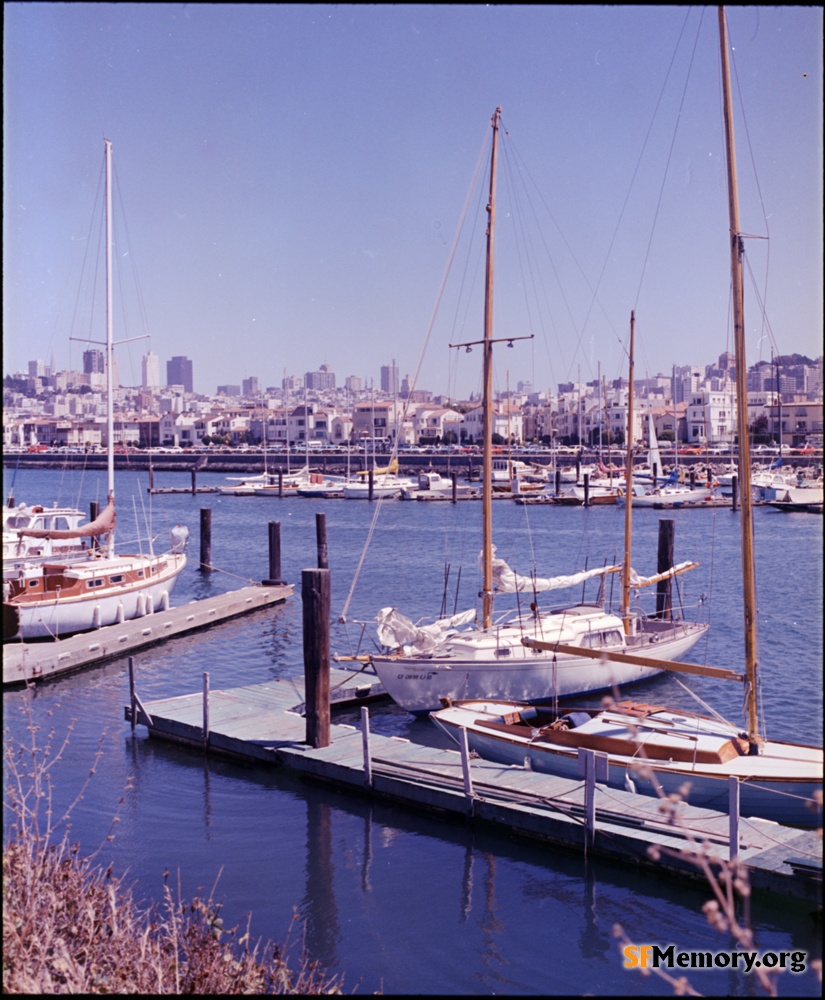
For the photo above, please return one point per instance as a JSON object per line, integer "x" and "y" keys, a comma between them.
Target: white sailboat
{"x": 654, "y": 749}
{"x": 74, "y": 594}
{"x": 463, "y": 657}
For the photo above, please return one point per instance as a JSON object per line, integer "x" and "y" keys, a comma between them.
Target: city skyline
{"x": 278, "y": 212}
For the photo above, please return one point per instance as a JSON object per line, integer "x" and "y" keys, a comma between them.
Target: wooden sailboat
{"x": 57, "y": 598}
{"x": 651, "y": 748}
{"x": 467, "y": 656}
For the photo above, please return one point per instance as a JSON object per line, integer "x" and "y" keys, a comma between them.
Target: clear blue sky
{"x": 293, "y": 176}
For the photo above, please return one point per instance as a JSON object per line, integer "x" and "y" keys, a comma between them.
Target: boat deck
{"x": 263, "y": 724}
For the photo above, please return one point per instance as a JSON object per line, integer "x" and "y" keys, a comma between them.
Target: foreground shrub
{"x": 71, "y": 927}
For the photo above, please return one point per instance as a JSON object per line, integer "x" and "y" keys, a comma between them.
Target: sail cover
{"x": 507, "y": 581}
{"x": 646, "y": 581}
{"x": 394, "y": 630}
{"x": 103, "y": 523}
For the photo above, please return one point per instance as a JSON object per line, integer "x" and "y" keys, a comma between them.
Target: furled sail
{"x": 507, "y": 581}
{"x": 102, "y": 524}
{"x": 394, "y": 630}
{"x": 646, "y": 581}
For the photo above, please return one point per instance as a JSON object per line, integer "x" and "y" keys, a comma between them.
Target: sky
{"x": 293, "y": 176}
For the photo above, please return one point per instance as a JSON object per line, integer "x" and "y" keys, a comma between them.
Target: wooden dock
{"x": 263, "y": 724}
{"x": 26, "y": 662}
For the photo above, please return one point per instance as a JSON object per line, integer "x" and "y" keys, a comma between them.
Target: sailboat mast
{"x": 487, "y": 403}
{"x": 110, "y": 398}
{"x": 744, "y": 465}
{"x": 628, "y": 488}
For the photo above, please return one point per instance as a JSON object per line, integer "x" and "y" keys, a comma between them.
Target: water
{"x": 393, "y": 899}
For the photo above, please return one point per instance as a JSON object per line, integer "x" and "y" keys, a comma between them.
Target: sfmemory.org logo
{"x": 651, "y": 956}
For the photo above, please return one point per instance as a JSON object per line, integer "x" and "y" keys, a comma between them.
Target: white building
{"x": 150, "y": 368}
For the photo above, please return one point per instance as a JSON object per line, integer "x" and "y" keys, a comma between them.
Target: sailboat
{"x": 652, "y": 749}
{"x": 75, "y": 594}
{"x": 461, "y": 657}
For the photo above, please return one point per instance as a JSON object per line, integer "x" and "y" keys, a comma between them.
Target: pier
{"x": 263, "y": 724}
{"x": 27, "y": 662}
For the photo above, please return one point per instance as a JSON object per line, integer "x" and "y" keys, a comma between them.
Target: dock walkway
{"x": 263, "y": 723}
{"x": 26, "y": 662}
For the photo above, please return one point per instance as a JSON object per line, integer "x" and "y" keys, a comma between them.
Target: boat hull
{"x": 419, "y": 683}
{"x": 48, "y": 619}
{"x": 787, "y": 797}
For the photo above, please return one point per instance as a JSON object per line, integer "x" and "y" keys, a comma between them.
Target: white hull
{"x": 107, "y": 606}
{"x": 495, "y": 664}
{"x": 384, "y": 487}
{"x": 779, "y": 783}
{"x": 673, "y": 497}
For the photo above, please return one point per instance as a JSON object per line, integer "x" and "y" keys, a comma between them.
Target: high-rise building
{"x": 389, "y": 379}
{"x": 179, "y": 372}
{"x": 250, "y": 386}
{"x": 324, "y": 378}
{"x": 94, "y": 362}
{"x": 151, "y": 371}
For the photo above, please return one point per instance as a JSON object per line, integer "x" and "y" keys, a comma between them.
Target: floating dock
{"x": 27, "y": 662}
{"x": 263, "y": 724}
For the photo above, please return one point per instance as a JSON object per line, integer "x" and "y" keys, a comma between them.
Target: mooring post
{"x": 94, "y": 511}
{"x": 365, "y": 742}
{"x": 454, "y": 478}
{"x": 205, "y": 710}
{"x": 558, "y": 482}
{"x": 315, "y": 594}
{"x": 274, "y": 579}
{"x": 371, "y": 481}
{"x": 664, "y": 588}
{"x": 151, "y": 479}
{"x": 589, "y": 793}
{"x": 465, "y": 764}
{"x": 321, "y": 540}
{"x": 206, "y": 540}
{"x": 194, "y": 481}
{"x": 692, "y": 477}
{"x": 733, "y": 817}
{"x": 655, "y": 473}
{"x": 132, "y": 702}
{"x": 587, "y": 489}
{"x": 734, "y": 485}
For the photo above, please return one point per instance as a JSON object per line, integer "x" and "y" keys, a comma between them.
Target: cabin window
{"x": 33, "y": 583}
{"x": 116, "y": 579}
{"x": 140, "y": 573}
{"x": 91, "y": 584}
{"x": 503, "y": 651}
{"x": 154, "y": 570}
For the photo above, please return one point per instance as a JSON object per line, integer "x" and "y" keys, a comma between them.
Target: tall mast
{"x": 487, "y": 403}
{"x": 744, "y": 464}
{"x": 628, "y": 488}
{"x": 110, "y": 398}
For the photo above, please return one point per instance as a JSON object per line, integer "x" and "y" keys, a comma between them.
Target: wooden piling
{"x": 371, "y": 484}
{"x": 274, "y": 579}
{"x": 454, "y": 478}
{"x": 315, "y": 594}
{"x": 558, "y": 482}
{"x": 734, "y": 485}
{"x": 206, "y": 540}
{"x": 194, "y": 481}
{"x": 587, "y": 489}
{"x": 321, "y": 540}
{"x": 667, "y": 528}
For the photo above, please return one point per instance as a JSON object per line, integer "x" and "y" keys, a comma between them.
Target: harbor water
{"x": 391, "y": 898}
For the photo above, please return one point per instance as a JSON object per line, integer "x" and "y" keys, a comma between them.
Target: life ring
{"x": 38, "y": 509}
